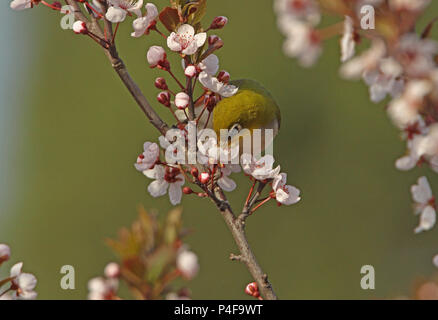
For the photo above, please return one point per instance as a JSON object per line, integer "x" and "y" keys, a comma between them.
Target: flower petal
{"x": 158, "y": 188}
{"x": 421, "y": 193}
{"x": 175, "y": 193}
{"x": 115, "y": 15}
{"x": 16, "y": 269}
{"x": 200, "y": 39}
{"x": 427, "y": 219}
{"x": 172, "y": 43}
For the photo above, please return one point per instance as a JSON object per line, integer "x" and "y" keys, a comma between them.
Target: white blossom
{"x": 347, "y": 41}
{"x": 190, "y": 71}
{"x": 210, "y": 65}
{"x": 182, "y": 100}
{"x": 213, "y": 84}
{"x": 424, "y": 204}
{"x": 5, "y": 252}
{"x": 120, "y": 8}
{"x": 149, "y": 157}
{"x": 187, "y": 263}
{"x": 304, "y": 10}
{"x": 261, "y": 169}
{"x": 410, "y": 160}
{"x": 285, "y": 194}
{"x": 112, "y": 270}
{"x": 155, "y": 55}
{"x": 302, "y": 42}
{"x": 384, "y": 80}
{"x": 404, "y": 110}
{"x": 23, "y": 283}
{"x": 369, "y": 60}
{"x": 185, "y": 40}
{"x": 79, "y": 27}
{"x": 102, "y": 289}
{"x": 225, "y": 182}
{"x": 142, "y": 24}
{"x": 21, "y": 4}
{"x": 416, "y": 55}
{"x": 166, "y": 179}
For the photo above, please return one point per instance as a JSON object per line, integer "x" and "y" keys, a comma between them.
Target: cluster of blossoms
{"x": 197, "y": 49}
{"x": 152, "y": 256}
{"x": 399, "y": 63}
{"x": 19, "y": 285}
{"x": 170, "y": 178}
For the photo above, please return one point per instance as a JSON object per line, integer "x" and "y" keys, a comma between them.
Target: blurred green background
{"x": 70, "y": 134}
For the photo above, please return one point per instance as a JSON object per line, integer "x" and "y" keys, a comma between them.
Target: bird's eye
{"x": 234, "y": 130}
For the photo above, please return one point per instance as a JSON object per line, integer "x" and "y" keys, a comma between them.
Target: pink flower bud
{"x": 252, "y": 290}
{"x": 182, "y": 100}
{"x": 213, "y": 39}
{"x": 219, "y": 22}
{"x": 187, "y": 190}
{"x": 164, "y": 98}
{"x": 194, "y": 172}
{"x": 79, "y": 27}
{"x": 155, "y": 56}
{"x": 204, "y": 177}
{"x": 57, "y": 4}
{"x": 112, "y": 270}
{"x": 187, "y": 264}
{"x": 223, "y": 76}
{"x": 160, "y": 83}
{"x": 190, "y": 71}
{"x": 5, "y": 252}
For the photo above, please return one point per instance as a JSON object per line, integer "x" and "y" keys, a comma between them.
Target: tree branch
{"x": 246, "y": 255}
{"x": 234, "y": 224}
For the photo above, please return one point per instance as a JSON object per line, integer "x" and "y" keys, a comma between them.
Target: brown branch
{"x": 235, "y": 225}
{"x": 246, "y": 255}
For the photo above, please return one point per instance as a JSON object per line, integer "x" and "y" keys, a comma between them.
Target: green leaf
{"x": 195, "y": 12}
{"x": 169, "y": 17}
{"x": 172, "y": 227}
{"x": 158, "y": 262}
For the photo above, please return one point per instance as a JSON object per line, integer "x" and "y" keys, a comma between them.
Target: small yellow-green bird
{"x": 252, "y": 107}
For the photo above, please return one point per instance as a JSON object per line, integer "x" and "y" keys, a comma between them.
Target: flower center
{"x": 171, "y": 175}
{"x": 297, "y": 5}
{"x": 184, "y": 39}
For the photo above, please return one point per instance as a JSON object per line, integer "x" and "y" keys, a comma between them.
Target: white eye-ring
{"x": 234, "y": 130}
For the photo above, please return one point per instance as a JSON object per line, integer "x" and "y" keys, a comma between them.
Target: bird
{"x": 252, "y": 107}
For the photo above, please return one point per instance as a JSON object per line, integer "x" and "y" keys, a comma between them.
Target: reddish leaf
{"x": 169, "y": 17}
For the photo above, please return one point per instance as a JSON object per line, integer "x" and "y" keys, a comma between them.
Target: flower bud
{"x": 160, "y": 83}
{"x": 190, "y": 71}
{"x": 213, "y": 39}
{"x": 194, "y": 172}
{"x": 252, "y": 290}
{"x": 5, "y": 252}
{"x": 155, "y": 56}
{"x": 57, "y": 4}
{"x": 164, "y": 98}
{"x": 182, "y": 100}
{"x": 79, "y": 27}
{"x": 112, "y": 270}
{"x": 204, "y": 177}
{"x": 187, "y": 264}
{"x": 219, "y": 22}
{"x": 187, "y": 190}
{"x": 223, "y": 76}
